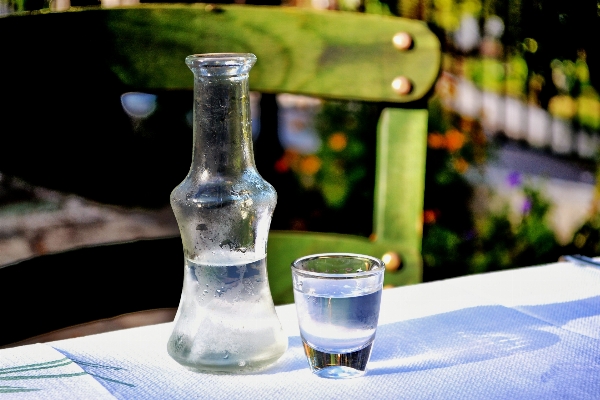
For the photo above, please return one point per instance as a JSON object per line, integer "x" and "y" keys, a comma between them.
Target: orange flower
{"x": 281, "y": 165}
{"x": 436, "y": 141}
{"x": 461, "y": 165}
{"x": 310, "y": 165}
{"x": 290, "y": 160}
{"x": 454, "y": 140}
{"x": 338, "y": 141}
{"x": 429, "y": 216}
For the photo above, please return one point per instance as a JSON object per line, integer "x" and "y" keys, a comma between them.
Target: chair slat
{"x": 325, "y": 54}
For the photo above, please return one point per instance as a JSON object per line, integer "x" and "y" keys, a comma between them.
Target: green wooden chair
{"x": 333, "y": 55}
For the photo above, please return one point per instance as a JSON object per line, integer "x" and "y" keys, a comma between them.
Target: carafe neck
{"x": 222, "y": 124}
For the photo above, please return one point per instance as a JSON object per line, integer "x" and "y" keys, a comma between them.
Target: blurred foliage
{"x": 344, "y": 153}
{"x": 586, "y": 240}
{"x": 448, "y": 221}
{"x": 337, "y": 168}
{"x": 335, "y": 183}
{"x": 455, "y": 240}
{"x": 500, "y": 244}
{"x": 377, "y": 7}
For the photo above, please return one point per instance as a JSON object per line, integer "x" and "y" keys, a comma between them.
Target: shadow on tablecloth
{"x": 475, "y": 334}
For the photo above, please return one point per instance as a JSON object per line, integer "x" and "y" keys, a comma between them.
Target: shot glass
{"x": 337, "y": 298}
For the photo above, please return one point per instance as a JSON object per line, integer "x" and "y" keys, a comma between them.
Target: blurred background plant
{"x": 459, "y": 240}
{"x": 505, "y": 241}
{"x": 328, "y": 153}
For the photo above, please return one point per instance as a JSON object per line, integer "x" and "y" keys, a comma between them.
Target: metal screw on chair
{"x": 392, "y": 260}
{"x": 402, "y": 85}
{"x": 402, "y": 41}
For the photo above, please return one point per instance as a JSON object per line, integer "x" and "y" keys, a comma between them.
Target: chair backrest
{"x": 56, "y": 57}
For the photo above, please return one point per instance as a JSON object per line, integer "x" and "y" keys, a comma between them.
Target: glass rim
{"x": 220, "y": 60}
{"x": 378, "y": 266}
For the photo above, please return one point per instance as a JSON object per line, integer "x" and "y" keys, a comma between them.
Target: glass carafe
{"x": 226, "y": 320}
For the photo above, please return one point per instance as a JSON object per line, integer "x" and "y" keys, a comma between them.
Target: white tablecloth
{"x": 530, "y": 333}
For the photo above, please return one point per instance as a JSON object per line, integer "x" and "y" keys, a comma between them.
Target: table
{"x": 529, "y": 333}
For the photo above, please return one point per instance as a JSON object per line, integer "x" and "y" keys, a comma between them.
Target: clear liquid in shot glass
{"x": 338, "y": 321}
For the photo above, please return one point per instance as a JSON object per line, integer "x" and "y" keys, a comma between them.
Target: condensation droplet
{"x": 226, "y": 354}
{"x": 242, "y": 363}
